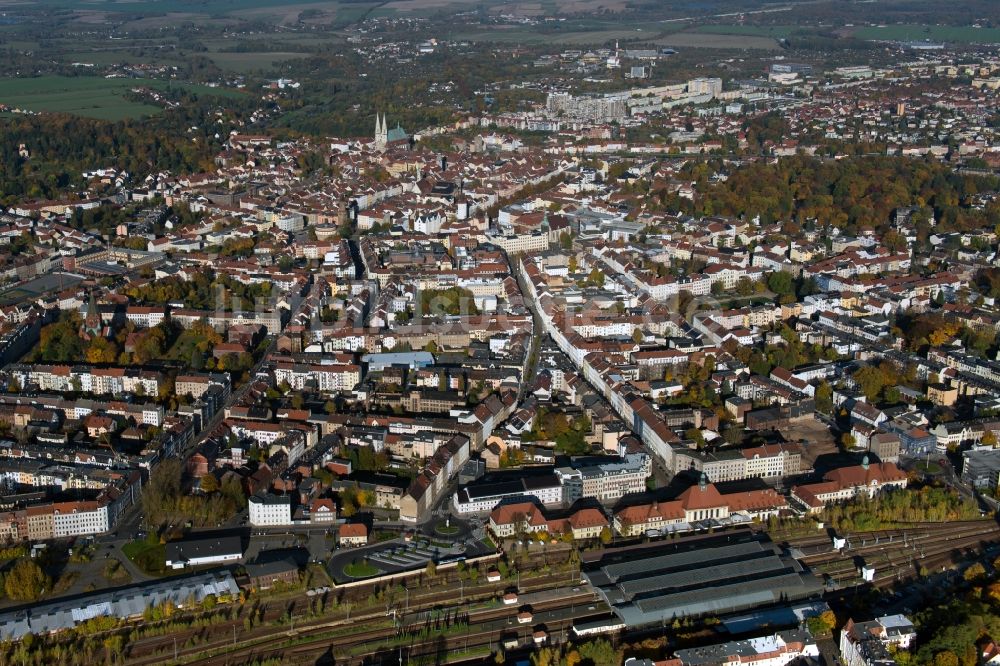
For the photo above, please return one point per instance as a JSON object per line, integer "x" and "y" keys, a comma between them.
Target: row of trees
{"x": 927, "y": 504}
{"x": 598, "y": 652}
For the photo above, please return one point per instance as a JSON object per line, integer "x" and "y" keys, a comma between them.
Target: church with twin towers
{"x": 385, "y": 137}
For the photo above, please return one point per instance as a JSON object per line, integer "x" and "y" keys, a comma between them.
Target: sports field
{"x": 88, "y": 96}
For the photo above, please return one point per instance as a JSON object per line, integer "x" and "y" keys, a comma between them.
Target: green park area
{"x": 901, "y": 32}
{"x": 148, "y": 554}
{"x": 929, "y": 467}
{"x": 361, "y": 569}
{"x": 90, "y": 96}
{"x": 445, "y": 529}
{"x": 934, "y": 33}
{"x": 775, "y": 31}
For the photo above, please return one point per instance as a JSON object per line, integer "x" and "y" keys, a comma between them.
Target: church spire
{"x": 381, "y": 132}
{"x": 92, "y": 323}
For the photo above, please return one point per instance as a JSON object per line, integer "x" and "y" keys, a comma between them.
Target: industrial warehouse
{"x": 697, "y": 577}
{"x": 124, "y": 602}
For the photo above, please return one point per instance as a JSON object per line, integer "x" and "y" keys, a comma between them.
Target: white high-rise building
{"x": 705, "y": 86}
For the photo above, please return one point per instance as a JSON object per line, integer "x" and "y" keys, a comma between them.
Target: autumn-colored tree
{"x": 209, "y": 483}
{"x": 544, "y": 657}
{"x": 824, "y": 397}
{"x": 974, "y": 572}
{"x": 26, "y": 581}
{"x": 943, "y": 333}
{"x": 101, "y": 350}
{"x": 829, "y": 619}
{"x": 946, "y": 658}
{"x": 112, "y": 647}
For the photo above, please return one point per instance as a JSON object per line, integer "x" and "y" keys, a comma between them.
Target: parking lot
{"x": 393, "y": 556}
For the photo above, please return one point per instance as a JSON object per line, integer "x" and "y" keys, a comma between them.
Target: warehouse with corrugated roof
{"x": 125, "y": 602}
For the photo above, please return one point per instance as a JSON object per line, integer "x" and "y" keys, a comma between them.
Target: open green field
{"x": 288, "y": 43}
{"x": 706, "y": 40}
{"x": 159, "y": 7}
{"x": 18, "y": 44}
{"x": 154, "y": 14}
{"x": 776, "y": 31}
{"x": 940, "y": 33}
{"x": 89, "y": 96}
{"x": 521, "y": 36}
{"x": 599, "y": 36}
{"x": 249, "y": 61}
{"x": 120, "y": 57}
{"x": 148, "y": 555}
{"x": 265, "y": 43}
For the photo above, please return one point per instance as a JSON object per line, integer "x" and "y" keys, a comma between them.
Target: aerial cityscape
{"x": 541, "y": 332}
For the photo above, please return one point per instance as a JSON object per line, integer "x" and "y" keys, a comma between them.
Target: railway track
{"x": 898, "y": 553}
{"x": 311, "y": 643}
{"x": 894, "y": 553}
{"x": 152, "y": 650}
{"x": 435, "y": 649}
{"x": 819, "y": 544}
{"x": 860, "y": 544}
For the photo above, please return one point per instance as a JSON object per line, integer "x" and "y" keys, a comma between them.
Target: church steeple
{"x": 92, "y": 323}
{"x": 381, "y": 132}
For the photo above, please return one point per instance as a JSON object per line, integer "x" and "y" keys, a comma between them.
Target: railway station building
{"x": 710, "y": 575}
